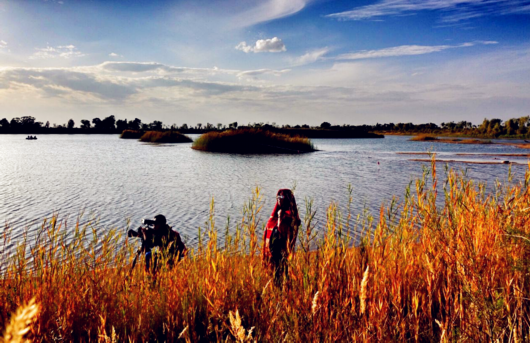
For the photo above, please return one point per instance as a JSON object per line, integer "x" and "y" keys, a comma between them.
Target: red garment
{"x": 287, "y": 221}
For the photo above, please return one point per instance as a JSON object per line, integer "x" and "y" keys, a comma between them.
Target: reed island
{"x": 253, "y": 141}
{"x": 156, "y": 136}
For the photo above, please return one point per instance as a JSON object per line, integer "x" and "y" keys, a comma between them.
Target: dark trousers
{"x": 281, "y": 269}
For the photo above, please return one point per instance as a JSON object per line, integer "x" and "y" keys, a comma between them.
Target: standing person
{"x": 280, "y": 234}
{"x": 161, "y": 236}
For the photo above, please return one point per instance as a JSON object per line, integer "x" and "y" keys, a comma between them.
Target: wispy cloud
{"x": 3, "y": 44}
{"x": 62, "y": 51}
{"x": 453, "y": 10}
{"x": 145, "y": 67}
{"x": 311, "y": 56}
{"x": 257, "y": 72}
{"x": 114, "y": 55}
{"x": 263, "y": 45}
{"x": 268, "y": 10}
{"x": 406, "y": 50}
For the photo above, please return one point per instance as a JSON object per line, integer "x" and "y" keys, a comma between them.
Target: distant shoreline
{"x": 309, "y": 133}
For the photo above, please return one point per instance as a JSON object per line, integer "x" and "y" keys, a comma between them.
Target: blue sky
{"x": 282, "y": 61}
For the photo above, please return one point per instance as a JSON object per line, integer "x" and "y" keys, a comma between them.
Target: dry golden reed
{"x": 364, "y": 283}
{"x": 449, "y": 262}
{"x": 20, "y": 323}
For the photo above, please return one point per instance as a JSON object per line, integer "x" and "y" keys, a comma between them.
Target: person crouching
{"x": 162, "y": 236}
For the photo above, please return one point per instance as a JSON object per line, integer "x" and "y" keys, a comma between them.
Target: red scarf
{"x": 286, "y": 220}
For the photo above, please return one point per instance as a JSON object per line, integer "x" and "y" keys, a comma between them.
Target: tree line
{"x": 491, "y": 128}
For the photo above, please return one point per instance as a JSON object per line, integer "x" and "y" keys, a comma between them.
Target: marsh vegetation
{"x": 253, "y": 141}
{"x": 165, "y": 137}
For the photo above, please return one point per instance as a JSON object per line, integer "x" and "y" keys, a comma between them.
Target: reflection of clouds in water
{"x": 118, "y": 179}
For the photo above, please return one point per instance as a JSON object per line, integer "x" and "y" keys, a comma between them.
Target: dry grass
{"x": 131, "y": 134}
{"x": 423, "y": 138}
{"x": 165, "y": 137}
{"x": 427, "y": 138}
{"x": 252, "y": 141}
{"x": 450, "y": 269}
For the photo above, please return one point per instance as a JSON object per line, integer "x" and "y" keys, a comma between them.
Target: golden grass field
{"x": 446, "y": 263}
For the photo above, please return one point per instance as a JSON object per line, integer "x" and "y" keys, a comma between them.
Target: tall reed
{"x": 450, "y": 269}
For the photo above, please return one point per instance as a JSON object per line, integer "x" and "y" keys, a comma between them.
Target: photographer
{"x": 162, "y": 236}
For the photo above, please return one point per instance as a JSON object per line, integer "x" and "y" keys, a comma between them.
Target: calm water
{"x": 116, "y": 180}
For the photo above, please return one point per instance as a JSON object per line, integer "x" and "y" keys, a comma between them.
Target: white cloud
{"x": 3, "y": 44}
{"x": 159, "y": 68}
{"x": 453, "y": 10}
{"x": 263, "y": 45}
{"x": 114, "y": 55}
{"x": 62, "y": 51}
{"x": 266, "y": 11}
{"x": 257, "y": 72}
{"x": 311, "y": 56}
{"x": 406, "y": 50}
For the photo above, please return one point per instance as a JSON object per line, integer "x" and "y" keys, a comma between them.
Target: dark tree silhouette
{"x": 108, "y": 123}
{"x": 135, "y": 124}
{"x": 97, "y": 123}
{"x": 4, "y": 123}
{"x": 121, "y": 125}
{"x": 85, "y": 124}
{"x": 325, "y": 125}
{"x": 71, "y": 124}
{"x": 156, "y": 125}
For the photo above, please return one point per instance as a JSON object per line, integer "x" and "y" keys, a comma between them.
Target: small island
{"x": 427, "y": 138}
{"x": 253, "y": 141}
{"x": 165, "y": 137}
{"x": 132, "y": 134}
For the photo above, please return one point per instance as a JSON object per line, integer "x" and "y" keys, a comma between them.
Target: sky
{"x": 271, "y": 61}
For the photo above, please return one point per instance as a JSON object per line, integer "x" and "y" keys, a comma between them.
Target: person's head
{"x": 160, "y": 221}
{"x": 284, "y": 198}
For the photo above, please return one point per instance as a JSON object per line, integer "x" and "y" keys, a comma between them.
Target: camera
{"x": 148, "y": 222}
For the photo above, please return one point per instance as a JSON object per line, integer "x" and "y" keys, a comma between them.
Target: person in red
{"x": 280, "y": 234}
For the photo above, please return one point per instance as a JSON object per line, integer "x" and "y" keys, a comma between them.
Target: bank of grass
{"x": 131, "y": 134}
{"x": 423, "y": 138}
{"x": 165, "y": 137}
{"x": 456, "y": 271}
{"x": 252, "y": 141}
{"x": 428, "y": 138}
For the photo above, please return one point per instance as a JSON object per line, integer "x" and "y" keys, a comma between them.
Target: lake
{"x": 118, "y": 180}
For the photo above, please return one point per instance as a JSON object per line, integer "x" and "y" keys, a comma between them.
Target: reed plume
{"x": 20, "y": 323}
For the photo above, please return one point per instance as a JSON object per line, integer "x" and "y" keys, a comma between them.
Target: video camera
{"x": 148, "y": 222}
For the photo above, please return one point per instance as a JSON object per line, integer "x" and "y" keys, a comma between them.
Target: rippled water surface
{"x": 116, "y": 180}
